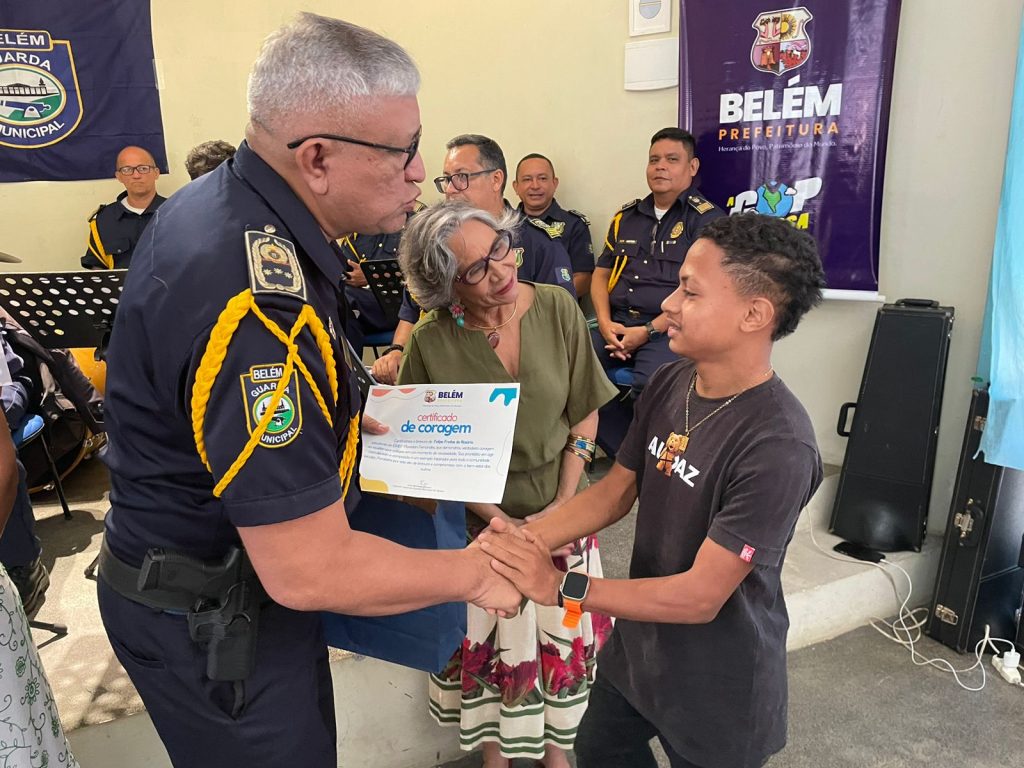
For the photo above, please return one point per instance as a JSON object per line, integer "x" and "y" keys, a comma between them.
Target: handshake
{"x": 514, "y": 564}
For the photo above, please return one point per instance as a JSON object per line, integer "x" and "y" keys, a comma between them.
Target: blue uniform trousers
{"x": 19, "y": 544}
{"x": 288, "y": 712}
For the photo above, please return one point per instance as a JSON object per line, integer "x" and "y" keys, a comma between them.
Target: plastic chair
{"x": 378, "y": 340}
{"x": 32, "y": 429}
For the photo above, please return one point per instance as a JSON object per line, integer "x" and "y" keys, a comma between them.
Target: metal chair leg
{"x": 57, "y": 484}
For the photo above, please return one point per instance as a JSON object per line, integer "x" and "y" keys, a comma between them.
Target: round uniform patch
{"x": 677, "y": 230}
{"x": 284, "y": 414}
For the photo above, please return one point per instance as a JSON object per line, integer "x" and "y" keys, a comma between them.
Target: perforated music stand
{"x": 385, "y": 279}
{"x": 64, "y": 309}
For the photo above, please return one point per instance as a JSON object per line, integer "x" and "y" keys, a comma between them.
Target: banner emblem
{"x": 40, "y": 103}
{"x": 781, "y": 43}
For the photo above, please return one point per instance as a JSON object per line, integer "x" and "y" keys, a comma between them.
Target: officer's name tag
{"x": 258, "y": 387}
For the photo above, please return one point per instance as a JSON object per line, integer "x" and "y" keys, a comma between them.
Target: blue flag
{"x": 77, "y": 84}
{"x": 1002, "y": 349}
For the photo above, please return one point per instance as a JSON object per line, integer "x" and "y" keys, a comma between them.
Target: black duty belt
{"x": 129, "y": 581}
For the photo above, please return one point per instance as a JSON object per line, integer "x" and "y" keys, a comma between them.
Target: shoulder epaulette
{"x": 273, "y": 265}
{"x": 97, "y": 212}
{"x": 699, "y": 204}
{"x": 552, "y": 230}
{"x": 577, "y": 213}
{"x": 630, "y": 204}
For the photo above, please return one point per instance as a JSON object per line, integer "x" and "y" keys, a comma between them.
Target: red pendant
{"x": 493, "y": 338}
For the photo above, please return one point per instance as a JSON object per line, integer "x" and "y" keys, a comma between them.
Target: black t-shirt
{"x": 716, "y": 691}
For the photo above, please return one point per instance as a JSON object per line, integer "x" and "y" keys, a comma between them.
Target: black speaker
{"x": 981, "y": 574}
{"x": 886, "y": 480}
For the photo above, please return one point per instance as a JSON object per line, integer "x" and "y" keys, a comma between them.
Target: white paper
{"x": 448, "y": 441}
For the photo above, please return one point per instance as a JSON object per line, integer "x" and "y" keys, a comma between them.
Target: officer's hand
{"x": 634, "y": 338}
{"x": 385, "y": 367}
{"x": 611, "y": 332}
{"x": 356, "y": 278}
{"x": 494, "y": 593}
{"x": 371, "y": 426}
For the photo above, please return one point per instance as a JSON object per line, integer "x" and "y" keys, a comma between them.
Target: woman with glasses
{"x": 517, "y": 686}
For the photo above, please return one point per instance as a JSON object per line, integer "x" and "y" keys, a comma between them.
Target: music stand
{"x": 65, "y": 309}
{"x": 384, "y": 277}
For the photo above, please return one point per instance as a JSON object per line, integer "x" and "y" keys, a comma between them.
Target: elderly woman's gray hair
{"x": 318, "y": 64}
{"x": 427, "y": 260}
{"x": 203, "y": 158}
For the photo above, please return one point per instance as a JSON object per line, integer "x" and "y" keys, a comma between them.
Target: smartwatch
{"x": 571, "y": 595}
{"x": 652, "y": 332}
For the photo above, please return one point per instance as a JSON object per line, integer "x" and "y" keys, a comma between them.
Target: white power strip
{"x": 1006, "y": 664}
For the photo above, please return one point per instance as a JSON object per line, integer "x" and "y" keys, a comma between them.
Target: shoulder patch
{"x": 699, "y": 204}
{"x": 258, "y": 387}
{"x": 518, "y": 253}
{"x": 630, "y": 204}
{"x": 577, "y": 213}
{"x": 552, "y": 230}
{"x": 273, "y": 265}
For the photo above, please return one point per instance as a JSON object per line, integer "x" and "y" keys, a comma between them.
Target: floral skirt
{"x": 30, "y": 729}
{"x": 523, "y": 682}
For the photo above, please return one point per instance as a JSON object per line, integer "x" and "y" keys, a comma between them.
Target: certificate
{"x": 448, "y": 441}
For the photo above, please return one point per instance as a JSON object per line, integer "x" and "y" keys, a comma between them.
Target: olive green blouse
{"x": 561, "y": 382}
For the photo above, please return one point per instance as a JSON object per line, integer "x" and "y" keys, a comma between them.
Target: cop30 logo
{"x": 40, "y": 103}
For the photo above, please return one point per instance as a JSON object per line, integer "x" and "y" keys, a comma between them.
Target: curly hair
{"x": 204, "y": 157}
{"x": 770, "y": 257}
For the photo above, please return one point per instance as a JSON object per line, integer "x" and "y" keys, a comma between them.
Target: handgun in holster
{"x": 224, "y": 619}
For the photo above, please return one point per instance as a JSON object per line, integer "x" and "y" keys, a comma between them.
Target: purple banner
{"x": 790, "y": 107}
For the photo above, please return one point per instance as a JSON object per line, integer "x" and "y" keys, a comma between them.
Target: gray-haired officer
{"x": 638, "y": 268}
{"x": 535, "y": 184}
{"x": 234, "y": 425}
{"x": 115, "y": 229}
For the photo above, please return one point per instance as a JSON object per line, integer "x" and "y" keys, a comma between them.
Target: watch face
{"x": 575, "y": 585}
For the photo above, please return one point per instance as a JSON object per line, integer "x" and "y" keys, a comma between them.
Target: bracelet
{"x": 394, "y": 348}
{"x": 582, "y": 443}
{"x": 587, "y": 457}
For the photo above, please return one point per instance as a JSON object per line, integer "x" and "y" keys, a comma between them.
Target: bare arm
{"x": 581, "y": 282}
{"x": 317, "y": 562}
{"x": 599, "y": 295}
{"x": 694, "y": 596}
{"x": 572, "y": 467}
{"x": 385, "y": 368}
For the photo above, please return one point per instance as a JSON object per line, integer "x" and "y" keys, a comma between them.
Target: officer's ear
{"x": 312, "y": 163}
{"x": 499, "y": 180}
{"x": 694, "y": 165}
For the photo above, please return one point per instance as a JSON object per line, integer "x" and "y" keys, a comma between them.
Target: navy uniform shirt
{"x": 119, "y": 230}
{"x": 190, "y": 262}
{"x": 573, "y": 229}
{"x": 540, "y": 258}
{"x": 653, "y": 250}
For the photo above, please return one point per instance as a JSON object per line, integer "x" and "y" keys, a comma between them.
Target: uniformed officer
{"x": 475, "y": 171}
{"x": 114, "y": 229}
{"x": 233, "y": 424}
{"x": 535, "y": 184}
{"x": 639, "y": 266}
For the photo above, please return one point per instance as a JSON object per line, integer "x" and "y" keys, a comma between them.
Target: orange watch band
{"x": 573, "y": 614}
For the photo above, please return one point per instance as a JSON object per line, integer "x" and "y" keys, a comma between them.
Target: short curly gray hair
{"x": 203, "y": 158}
{"x": 318, "y": 64}
{"x": 427, "y": 262}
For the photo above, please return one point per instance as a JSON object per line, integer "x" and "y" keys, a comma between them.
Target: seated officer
{"x": 535, "y": 184}
{"x": 475, "y": 171}
{"x": 114, "y": 229}
{"x": 369, "y": 315}
{"x": 638, "y": 267}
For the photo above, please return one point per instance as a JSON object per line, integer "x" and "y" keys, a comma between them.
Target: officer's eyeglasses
{"x": 128, "y": 170}
{"x": 499, "y": 252}
{"x": 411, "y": 150}
{"x": 458, "y": 180}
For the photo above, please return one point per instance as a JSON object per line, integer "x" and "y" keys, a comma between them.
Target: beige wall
{"x": 543, "y": 75}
